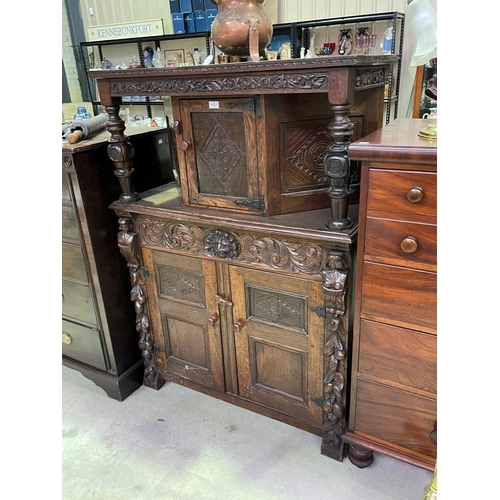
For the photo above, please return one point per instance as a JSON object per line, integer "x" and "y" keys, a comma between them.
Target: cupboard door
{"x": 220, "y": 152}
{"x": 184, "y": 312}
{"x": 279, "y": 341}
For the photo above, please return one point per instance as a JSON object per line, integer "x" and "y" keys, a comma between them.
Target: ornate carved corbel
{"x": 335, "y": 284}
{"x": 128, "y": 243}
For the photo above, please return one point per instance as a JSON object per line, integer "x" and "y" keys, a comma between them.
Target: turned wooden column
{"x": 336, "y": 162}
{"x": 120, "y": 151}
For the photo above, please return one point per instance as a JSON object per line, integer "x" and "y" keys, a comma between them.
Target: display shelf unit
{"x": 140, "y": 44}
{"x": 299, "y": 34}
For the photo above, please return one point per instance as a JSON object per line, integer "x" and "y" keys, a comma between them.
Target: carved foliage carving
{"x": 335, "y": 283}
{"x": 292, "y": 82}
{"x": 128, "y": 243}
{"x": 367, "y": 77}
{"x": 263, "y": 251}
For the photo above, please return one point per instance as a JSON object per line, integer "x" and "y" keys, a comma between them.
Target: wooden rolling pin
{"x": 81, "y": 129}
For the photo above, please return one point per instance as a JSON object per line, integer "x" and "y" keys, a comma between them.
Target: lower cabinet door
{"x": 182, "y": 292}
{"x": 279, "y": 341}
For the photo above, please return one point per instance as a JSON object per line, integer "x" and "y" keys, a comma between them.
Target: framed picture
{"x": 174, "y": 57}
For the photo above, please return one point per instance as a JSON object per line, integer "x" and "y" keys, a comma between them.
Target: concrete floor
{"x": 178, "y": 444}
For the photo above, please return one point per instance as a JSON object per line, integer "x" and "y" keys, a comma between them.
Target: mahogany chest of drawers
{"x": 393, "y": 385}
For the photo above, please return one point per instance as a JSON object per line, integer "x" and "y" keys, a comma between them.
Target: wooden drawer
{"x": 77, "y": 302}
{"x": 400, "y": 296}
{"x": 69, "y": 224}
{"x": 66, "y": 196}
{"x": 396, "y": 417}
{"x": 83, "y": 344}
{"x": 73, "y": 265}
{"x": 398, "y": 356}
{"x": 389, "y": 191}
{"x": 385, "y": 240}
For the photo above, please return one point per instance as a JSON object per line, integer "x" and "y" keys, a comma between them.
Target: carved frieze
{"x": 367, "y": 77}
{"x": 285, "y": 255}
{"x": 188, "y": 84}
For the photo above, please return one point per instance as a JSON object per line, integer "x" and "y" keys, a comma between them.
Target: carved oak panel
{"x": 278, "y": 308}
{"x": 176, "y": 283}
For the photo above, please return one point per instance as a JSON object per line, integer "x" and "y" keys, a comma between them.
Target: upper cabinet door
{"x": 218, "y": 152}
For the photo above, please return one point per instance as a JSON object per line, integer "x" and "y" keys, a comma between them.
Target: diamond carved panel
{"x": 278, "y": 308}
{"x": 221, "y": 153}
{"x": 175, "y": 283}
{"x": 305, "y": 152}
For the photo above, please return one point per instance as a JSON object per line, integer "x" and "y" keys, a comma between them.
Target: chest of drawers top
{"x": 396, "y": 142}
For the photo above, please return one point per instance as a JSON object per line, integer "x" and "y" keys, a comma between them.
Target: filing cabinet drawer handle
{"x": 409, "y": 244}
{"x": 415, "y": 194}
{"x": 67, "y": 338}
{"x": 213, "y": 319}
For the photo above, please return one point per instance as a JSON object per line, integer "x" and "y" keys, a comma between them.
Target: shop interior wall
{"x": 280, "y": 11}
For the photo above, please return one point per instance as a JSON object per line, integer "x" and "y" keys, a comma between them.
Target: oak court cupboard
{"x": 240, "y": 290}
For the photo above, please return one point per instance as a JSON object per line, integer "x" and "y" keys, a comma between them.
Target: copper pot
{"x": 241, "y": 28}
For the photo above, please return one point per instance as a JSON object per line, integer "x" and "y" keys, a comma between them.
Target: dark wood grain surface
{"x": 397, "y": 141}
{"x": 393, "y": 384}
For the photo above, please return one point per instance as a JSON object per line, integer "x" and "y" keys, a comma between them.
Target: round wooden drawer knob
{"x": 409, "y": 244}
{"x": 185, "y": 145}
{"x": 213, "y": 319}
{"x": 415, "y": 194}
{"x": 238, "y": 326}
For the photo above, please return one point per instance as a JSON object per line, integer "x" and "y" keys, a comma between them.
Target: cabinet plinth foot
{"x": 360, "y": 457}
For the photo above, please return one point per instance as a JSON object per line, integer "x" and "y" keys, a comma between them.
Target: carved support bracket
{"x": 128, "y": 243}
{"x": 121, "y": 152}
{"x": 337, "y": 168}
{"x": 335, "y": 283}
